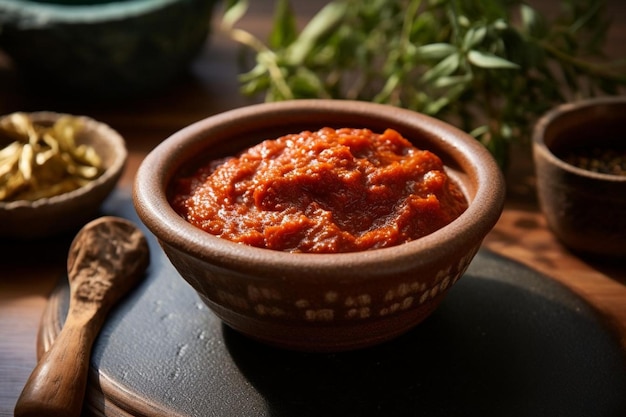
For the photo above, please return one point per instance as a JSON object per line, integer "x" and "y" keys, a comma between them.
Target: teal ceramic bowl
{"x": 103, "y": 48}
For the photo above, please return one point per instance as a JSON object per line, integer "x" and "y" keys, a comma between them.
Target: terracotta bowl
{"x": 65, "y": 213}
{"x": 586, "y": 210}
{"x": 319, "y": 302}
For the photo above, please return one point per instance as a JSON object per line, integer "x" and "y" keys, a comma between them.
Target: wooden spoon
{"x": 107, "y": 258}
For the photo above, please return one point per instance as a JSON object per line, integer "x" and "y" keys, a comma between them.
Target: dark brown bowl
{"x": 586, "y": 210}
{"x": 320, "y": 302}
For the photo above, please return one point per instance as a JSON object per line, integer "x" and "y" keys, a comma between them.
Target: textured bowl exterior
{"x": 106, "y": 50}
{"x": 585, "y": 210}
{"x": 25, "y": 220}
{"x": 320, "y": 302}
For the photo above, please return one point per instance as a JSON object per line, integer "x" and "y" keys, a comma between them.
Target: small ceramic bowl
{"x": 586, "y": 210}
{"x": 64, "y": 213}
{"x": 319, "y": 302}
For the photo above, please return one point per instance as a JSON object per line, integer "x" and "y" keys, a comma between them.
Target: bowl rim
{"x": 564, "y": 110}
{"x": 92, "y": 13}
{"x": 156, "y": 171}
{"x": 115, "y": 141}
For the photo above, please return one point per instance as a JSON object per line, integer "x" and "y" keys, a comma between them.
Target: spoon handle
{"x": 57, "y": 385}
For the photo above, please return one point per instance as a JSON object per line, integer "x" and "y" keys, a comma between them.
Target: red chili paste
{"x": 328, "y": 191}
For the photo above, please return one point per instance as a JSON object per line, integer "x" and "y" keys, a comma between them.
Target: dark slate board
{"x": 507, "y": 341}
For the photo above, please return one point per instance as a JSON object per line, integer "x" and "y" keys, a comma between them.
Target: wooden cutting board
{"x": 506, "y": 341}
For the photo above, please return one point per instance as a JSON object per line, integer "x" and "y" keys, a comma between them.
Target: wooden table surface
{"x": 28, "y": 272}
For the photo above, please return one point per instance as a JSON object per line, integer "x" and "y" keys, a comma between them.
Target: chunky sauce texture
{"x": 328, "y": 191}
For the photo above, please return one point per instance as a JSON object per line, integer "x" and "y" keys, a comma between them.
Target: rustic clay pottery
{"x": 319, "y": 302}
{"x": 68, "y": 212}
{"x": 586, "y": 210}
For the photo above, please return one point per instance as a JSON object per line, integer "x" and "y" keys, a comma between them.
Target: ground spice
{"x": 598, "y": 159}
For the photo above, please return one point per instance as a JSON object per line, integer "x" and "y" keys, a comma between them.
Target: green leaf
{"x": 306, "y": 84}
{"x": 284, "y": 30}
{"x": 434, "y": 107}
{"x": 234, "y": 10}
{"x": 487, "y": 60}
{"x": 590, "y": 13}
{"x": 256, "y": 72}
{"x": 445, "y": 82}
{"x": 324, "y": 21}
{"x": 533, "y": 22}
{"x": 392, "y": 83}
{"x": 473, "y": 37}
{"x": 442, "y": 69}
{"x": 479, "y": 131}
{"x": 436, "y": 51}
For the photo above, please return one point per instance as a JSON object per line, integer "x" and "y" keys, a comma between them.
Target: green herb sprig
{"x": 491, "y": 67}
